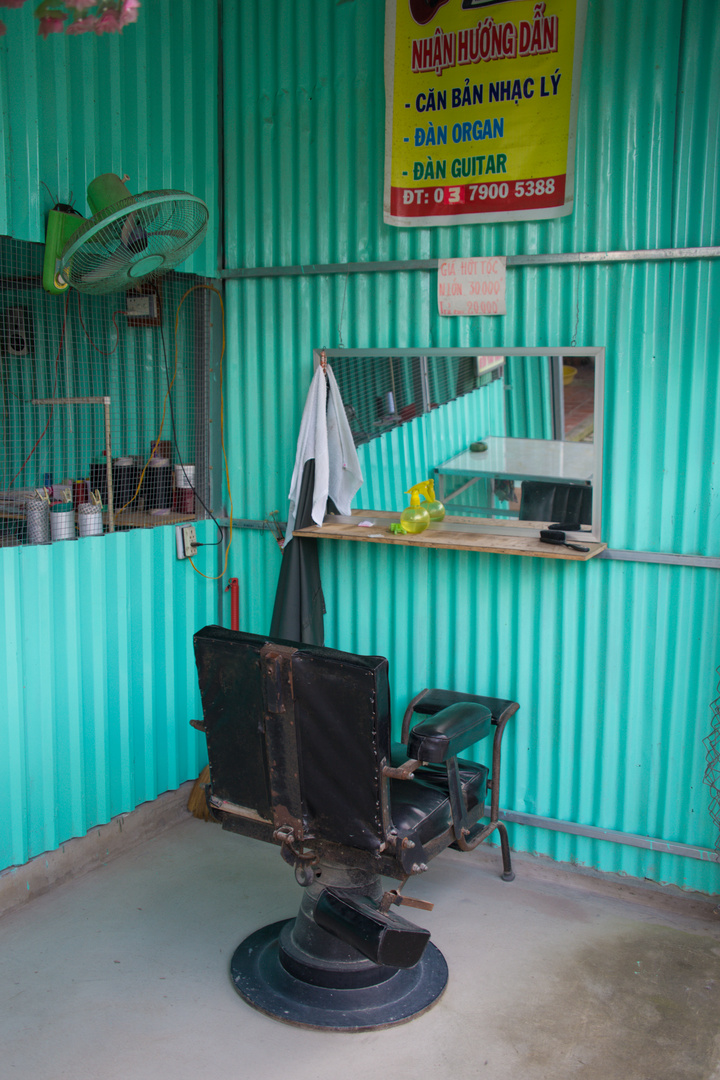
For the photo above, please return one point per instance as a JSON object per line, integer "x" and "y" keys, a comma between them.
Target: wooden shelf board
{"x": 453, "y": 534}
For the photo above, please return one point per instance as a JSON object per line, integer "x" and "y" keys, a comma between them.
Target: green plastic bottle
{"x": 414, "y": 519}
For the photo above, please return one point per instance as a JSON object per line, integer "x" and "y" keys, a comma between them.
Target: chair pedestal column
{"x": 299, "y": 973}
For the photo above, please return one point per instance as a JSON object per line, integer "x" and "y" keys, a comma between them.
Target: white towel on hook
{"x": 325, "y": 435}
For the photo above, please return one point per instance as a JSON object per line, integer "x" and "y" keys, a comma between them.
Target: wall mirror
{"x": 512, "y": 437}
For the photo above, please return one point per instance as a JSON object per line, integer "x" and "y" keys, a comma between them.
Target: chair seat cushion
{"x": 421, "y": 805}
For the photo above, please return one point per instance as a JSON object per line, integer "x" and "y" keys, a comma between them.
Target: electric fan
{"x": 128, "y": 238}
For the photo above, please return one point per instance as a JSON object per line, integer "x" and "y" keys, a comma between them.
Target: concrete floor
{"x": 122, "y": 974}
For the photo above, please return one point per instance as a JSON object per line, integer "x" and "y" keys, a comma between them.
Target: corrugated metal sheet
{"x": 96, "y": 667}
{"x": 602, "y": 737}
{"x": 143, "y": 103}
{"x": 408, "y": 454}
{"x": 613, "y": 663}
{"x": 99, "y": 681}
{"x": 305, "y": 108}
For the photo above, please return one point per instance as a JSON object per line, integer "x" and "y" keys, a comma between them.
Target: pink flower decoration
{"x": 109, "y": 23}
{"x": 52, "y": 23}
{"x": 12, "y": 3}
{"x": 129, "y": 11}
{"x": 82, "y": 26}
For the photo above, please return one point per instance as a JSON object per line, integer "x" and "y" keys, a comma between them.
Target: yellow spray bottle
{"x": 435, "y": 509}
{"x": 413, "y": 518}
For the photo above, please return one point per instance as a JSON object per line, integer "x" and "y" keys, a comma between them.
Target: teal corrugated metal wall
{"x": 96, "y": 666}
{"x": 141, "y": 103}
{"x": 408, "y": 453}
{"x": 613, "y": 663}
{"x": 98, "y": 680}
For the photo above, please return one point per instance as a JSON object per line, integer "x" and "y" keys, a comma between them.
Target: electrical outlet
{"x": 142, "y": 307}
{"x": 185, "y": 541}
{"x": 189, "y": 541}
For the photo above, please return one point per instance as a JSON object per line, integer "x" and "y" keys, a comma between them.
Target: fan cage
{"x": 137, "y": 238}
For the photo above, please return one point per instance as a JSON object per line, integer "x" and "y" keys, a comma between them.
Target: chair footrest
{"x": 383, "y": 937}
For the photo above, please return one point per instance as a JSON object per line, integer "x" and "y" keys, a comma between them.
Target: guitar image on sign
{"x": 423, "y": 11}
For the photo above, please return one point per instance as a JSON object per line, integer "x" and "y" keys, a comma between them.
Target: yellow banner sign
{"x": 481, "y": 109}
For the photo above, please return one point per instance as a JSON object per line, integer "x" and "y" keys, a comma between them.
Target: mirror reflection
{"x": 539, "y": 465}
{"x": 510, "y": 438}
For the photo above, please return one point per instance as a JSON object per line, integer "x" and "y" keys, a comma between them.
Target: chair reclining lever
{"x": 394, "y": 896}
{"x": 301, "y": 861}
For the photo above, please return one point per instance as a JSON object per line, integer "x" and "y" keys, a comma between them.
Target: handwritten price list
{"x": 472, "y": 286}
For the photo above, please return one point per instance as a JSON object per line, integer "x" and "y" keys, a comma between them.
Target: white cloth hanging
{"x": 325, "y": 436}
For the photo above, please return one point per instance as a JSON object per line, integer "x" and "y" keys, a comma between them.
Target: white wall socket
{"x": 185, "y": 541}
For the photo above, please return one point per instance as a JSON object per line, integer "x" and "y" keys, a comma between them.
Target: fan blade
{"x": 133, "y": 235}
{"x": 115, "y": 262}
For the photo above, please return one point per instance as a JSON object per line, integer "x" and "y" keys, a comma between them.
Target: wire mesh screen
{"x": 104, "y": 405}
{"x": 382, "y": 392}
{"x": 712, "y": 772}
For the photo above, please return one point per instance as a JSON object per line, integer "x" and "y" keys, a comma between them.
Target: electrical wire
{"x": 712, "y": 771}
{"x": 192, "y": 487}
{"x": 117, "y": 330}
{"x": 168, "y": 399}
{"x": 164, "y": 409}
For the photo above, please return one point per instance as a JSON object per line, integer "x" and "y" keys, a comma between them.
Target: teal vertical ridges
{"x": 613, "y": 663}
{"x": 305, "y": 105}
{"x": 411, "y": 452}
{"x": 661, "y": 380}
{"x": 141, "y": 104}
{"x": 99, "y": 681}
{"x": 599, "y": 739}
{"x": 528, "y": 397}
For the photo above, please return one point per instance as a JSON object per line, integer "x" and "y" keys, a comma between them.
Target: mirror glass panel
{"x": 512, "y": 437}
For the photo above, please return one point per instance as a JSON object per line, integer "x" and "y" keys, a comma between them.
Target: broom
{"x": 197, "y": 803}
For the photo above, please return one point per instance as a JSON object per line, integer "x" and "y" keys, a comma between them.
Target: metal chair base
{"x": 331, "y": 997}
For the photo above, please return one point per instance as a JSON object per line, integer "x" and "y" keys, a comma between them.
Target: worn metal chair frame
{"x": 469, "y": 834}
{"x": 397, "y": 857}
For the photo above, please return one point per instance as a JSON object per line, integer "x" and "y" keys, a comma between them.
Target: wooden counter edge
{"x": 492, "y": 543}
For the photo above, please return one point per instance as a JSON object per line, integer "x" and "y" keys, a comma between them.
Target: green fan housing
{"x": 129, "y": 238}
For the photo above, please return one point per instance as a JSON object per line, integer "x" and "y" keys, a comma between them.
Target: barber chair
{"x": 300, "y": 756}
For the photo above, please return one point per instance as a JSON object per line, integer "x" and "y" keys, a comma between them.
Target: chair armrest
{"x": 432, "y": 701}
{"x": 449, "y": 732}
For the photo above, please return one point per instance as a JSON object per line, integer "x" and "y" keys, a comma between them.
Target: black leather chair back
{"x": 315, "y": 759}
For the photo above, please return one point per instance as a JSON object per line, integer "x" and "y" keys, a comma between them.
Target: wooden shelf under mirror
{"x": 453, "y": 534}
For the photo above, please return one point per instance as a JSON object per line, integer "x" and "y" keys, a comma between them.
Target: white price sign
{"x": 472, "y": 286}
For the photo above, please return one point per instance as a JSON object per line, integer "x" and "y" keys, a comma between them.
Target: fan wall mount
{"x": 128, "y": 239}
